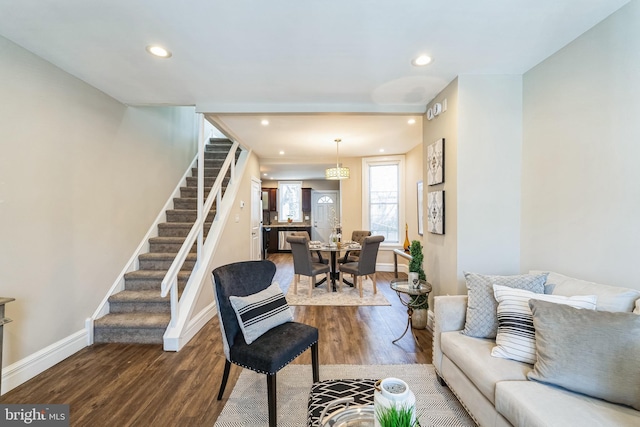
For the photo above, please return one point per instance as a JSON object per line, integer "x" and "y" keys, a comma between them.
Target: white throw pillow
{"x": 637, "y": 309}
{"x": 261, "y": 312}
{"x": 516, "y": 337}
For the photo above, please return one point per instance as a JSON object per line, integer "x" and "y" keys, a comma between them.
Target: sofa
{"x": 499, "y": 391}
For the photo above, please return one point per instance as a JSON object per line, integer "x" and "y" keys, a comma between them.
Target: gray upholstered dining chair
{"x": 304, "y": 265}
{"x": 357, "y": 236}
{"x": 365, "y": 266}
{"x": 316, "y": 256}
{"x": 272, "y": 350}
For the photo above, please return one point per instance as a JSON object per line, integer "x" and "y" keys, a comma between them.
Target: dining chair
{"x": 316, "y": 256}
{"x": 272, "y": 350}
{"x": 304, "y": 265}
{"x": 365, "y": 266}
{"x": 357, "y": 236}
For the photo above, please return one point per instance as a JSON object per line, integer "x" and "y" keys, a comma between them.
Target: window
{"x": 383, "y": 196}
{"x": 290, "y": 201}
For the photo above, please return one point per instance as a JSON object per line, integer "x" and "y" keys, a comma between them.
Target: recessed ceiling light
{"x": 281, "y": 153}
{"x": 264, "y": 122}
{"x": 382, "y": 150}
{"x": 412, "y": 121}
{"x": 265, "y": 174}
{"x": 158, "y": 51}
{"x": 421, "y": 61}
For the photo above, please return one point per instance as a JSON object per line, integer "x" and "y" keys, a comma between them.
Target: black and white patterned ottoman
{"x": 324, "y": 392}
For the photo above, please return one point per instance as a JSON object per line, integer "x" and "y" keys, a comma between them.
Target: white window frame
{"x": 281, "y": 216}
{"x": 381, "y": 161}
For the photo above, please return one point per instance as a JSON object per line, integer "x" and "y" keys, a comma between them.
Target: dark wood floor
{"x": 141, "y": 385}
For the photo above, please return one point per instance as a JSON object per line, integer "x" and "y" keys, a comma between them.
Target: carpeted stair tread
{"x": 154, "y": 275}
{"x": 134, "y": 320}
{"x": 138, "y": 296}
{"x": 179, "y": 229}
{"x": 165, "y": 256}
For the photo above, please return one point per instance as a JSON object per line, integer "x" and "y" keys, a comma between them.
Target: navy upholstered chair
{"x": 303, "y": 264}
{"x": 366, "y": 265}
{"x": 274, "y": 349}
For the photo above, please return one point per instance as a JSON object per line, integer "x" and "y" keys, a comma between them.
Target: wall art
{"x": 435, "y": 162}
{"x": 435, "y": 219}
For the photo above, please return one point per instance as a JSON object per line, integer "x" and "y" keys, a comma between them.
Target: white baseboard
{"x": 402, "y": 268}
{"x": 23, "y": 370}
{"x": 197, "y": 323}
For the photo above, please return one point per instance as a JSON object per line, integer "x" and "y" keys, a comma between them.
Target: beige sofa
{"x": 496, "y": 391}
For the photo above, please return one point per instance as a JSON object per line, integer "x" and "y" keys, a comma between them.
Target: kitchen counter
{"x": 275, "y": 235}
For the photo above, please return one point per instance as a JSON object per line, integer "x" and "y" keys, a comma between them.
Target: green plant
{"x": 396, "y": 417}
{"x": 415, "y": 265}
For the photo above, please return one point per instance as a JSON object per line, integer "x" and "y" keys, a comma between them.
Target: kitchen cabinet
{"x": 271, "y": 202}
{"x": 306, "y": 200}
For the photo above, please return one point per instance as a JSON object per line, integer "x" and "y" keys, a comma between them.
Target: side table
{"x": 402, "y": 287}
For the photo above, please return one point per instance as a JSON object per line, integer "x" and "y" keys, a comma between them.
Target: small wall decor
{"x": 435, "y": 162}
{"x": 435, "y": 219}
{"x": 420, "y": 208}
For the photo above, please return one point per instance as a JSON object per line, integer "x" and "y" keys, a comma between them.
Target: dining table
{"x": 334, "y": 250}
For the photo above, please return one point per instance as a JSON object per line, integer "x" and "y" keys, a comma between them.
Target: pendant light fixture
{"x": 337, "y": 172}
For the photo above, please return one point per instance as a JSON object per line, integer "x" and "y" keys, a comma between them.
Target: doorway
{"x": 325, "y": 211}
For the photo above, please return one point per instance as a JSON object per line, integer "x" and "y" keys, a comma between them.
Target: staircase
{"x": 138, "y": 314}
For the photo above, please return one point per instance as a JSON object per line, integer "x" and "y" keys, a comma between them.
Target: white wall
{"x": 82, "y": 177}
{"x": 581, "y": 156}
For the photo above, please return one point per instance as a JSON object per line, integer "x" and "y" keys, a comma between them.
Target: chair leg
{"x": 328, "y": 280}
{"x": 296, "y": 279}
{"x": 271, "y": 399}
{"x": 225, "y": 377}
{"x": 375, "y": 287}
{"x": 358, "y": 283}
{"x": 313, "y": 285}
{"x": 314, "y": 363}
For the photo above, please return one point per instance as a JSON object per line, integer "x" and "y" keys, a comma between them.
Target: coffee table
{"x": 402, "y": 287}
{"x": 325, "y": 392}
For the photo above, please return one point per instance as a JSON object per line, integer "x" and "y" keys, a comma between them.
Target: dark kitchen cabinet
{"x": 306, "y": 200}
{"x": 272, "y": 198}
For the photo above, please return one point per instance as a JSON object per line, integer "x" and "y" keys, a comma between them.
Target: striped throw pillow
{"x": 516, "y": 338}
{"x": 261, "y": 312}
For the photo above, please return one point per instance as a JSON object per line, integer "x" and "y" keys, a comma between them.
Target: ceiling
{"x": 296, "y": 61}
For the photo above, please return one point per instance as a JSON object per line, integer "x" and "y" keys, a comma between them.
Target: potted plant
{"x": 396, "y": 417}
{"x": 419, "y": 303}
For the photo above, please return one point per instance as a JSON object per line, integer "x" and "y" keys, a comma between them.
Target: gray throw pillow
{"x": 261, "y": 312}
{"x": 589, "y": 352}
{"x": 482, "y": 320}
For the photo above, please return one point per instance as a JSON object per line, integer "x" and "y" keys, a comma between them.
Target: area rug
{"x": 247, "y": 404}
{"x": 348, "y": 295}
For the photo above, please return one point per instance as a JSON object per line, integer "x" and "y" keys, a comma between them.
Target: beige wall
{"x": 82, "y": 177}
{"x": 440, "y": 251}
{"x": 580, "y": 191}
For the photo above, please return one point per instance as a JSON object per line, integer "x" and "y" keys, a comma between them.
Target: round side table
{"x": 401, "y": 286}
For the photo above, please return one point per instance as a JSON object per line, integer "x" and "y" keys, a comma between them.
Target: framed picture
{"x": 420, "y": 208}
{"x": 435, "y": 162}
{"x": 435, "y": 219}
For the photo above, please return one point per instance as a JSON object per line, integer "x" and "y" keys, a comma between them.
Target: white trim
{"x": 248, "y": 108}
{"x": 23, "y": 370}
{"x": 195, "y": 324}
{"x": 377, "y": 161}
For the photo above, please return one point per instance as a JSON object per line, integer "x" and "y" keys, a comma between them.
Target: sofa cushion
{"x": 532, "y": 404}
{"x": 516, "y": 338}
{"x": 590, "y": 352}
{"x": 481, "y": 320}
{"x": 637, "y": 309}
{"x": 610, "y": 298}
{"x": 473, "y": 357}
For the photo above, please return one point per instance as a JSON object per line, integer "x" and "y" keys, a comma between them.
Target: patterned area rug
{"x": 247, "y": 404}
{"x": 348, "y": 295}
